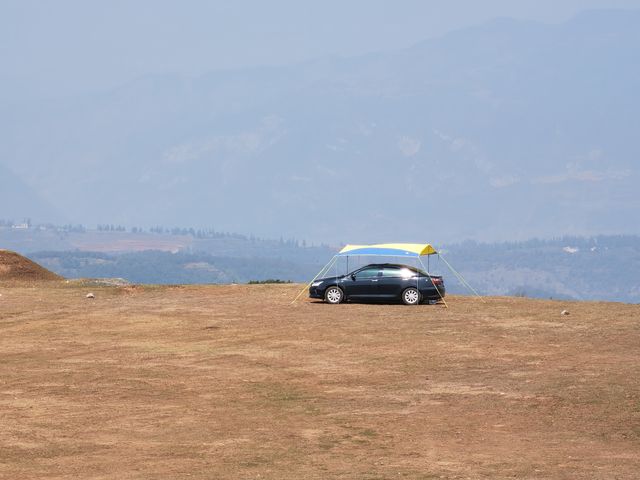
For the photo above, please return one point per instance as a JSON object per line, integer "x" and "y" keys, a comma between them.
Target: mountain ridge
{"x": 508, "y": 147}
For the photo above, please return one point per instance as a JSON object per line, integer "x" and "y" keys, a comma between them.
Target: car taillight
{"x": 436, "y": 281}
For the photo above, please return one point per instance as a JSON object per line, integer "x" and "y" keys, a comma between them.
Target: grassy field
{"x": 213, "y": 382}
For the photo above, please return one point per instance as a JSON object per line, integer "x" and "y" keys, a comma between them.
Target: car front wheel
{"x": 411, "y": 296}
{"x": 333, "y": 295}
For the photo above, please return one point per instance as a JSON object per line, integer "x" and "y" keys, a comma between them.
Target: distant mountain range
{"x": 507, "y": 130}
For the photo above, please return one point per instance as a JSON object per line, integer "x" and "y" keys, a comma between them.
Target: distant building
{"x": 20, "y": 226}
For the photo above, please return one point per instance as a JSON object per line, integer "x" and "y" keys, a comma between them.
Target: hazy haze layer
{"x": 510, "y": 129}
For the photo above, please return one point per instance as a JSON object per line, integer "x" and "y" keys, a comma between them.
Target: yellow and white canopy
{"x": 389, "y": 249}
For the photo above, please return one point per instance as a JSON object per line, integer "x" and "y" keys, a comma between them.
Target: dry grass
{"x": 233, "y": 382}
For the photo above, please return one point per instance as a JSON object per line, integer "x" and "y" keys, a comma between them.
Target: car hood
{"x": 328, "y": 279}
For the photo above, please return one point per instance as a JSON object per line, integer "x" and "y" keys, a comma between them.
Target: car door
{"x": 391, "y": 282}
{"x": 394, "y": 280}
{"x": 364, "y": 284}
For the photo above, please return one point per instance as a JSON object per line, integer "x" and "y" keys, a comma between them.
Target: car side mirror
{"x": 353, "y": 277}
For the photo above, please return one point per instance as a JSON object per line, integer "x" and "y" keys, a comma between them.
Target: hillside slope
{"x": 16, "y": 268}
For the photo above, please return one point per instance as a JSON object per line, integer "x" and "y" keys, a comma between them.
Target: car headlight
{"x": 316, "y": 284}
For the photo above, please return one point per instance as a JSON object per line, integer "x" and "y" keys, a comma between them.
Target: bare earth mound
{"x": 16, "y": 268}
{"x": 225, "y": 382}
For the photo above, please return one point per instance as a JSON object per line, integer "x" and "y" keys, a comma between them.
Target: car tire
{"x": 411, "y": 296}
{"x": 333, "y": 295}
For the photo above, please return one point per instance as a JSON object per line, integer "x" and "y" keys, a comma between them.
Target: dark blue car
{"x": 380, "y": 282}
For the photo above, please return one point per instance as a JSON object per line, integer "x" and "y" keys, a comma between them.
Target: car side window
{"x": 391, "y": 272}
{"x": 407, "y": 273}
{"x": 367, "y": 273}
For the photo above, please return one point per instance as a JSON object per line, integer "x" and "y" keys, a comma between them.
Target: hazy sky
{"x": 70, "y": 46}
{"x": 541, "y": 123}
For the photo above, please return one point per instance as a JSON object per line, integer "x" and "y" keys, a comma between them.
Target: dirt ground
{"x": 213, "y": 382}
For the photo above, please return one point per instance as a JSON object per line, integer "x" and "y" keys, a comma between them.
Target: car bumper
{"x": 431, "y": 293}
{"x": 315, "y": 292}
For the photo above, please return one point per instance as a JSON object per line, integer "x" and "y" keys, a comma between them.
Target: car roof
{"x": 396, "y": 265}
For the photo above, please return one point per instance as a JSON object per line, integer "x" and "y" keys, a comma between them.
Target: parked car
{"x": 387, "y": 281}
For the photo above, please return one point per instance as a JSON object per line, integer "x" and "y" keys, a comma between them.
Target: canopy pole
{"x": 461, "y": 278}
{"x": 326, "y": 267}
{"x": 418, "y": 285}
{"x": 337, "y": 265}
{"x": 434, "y": 285}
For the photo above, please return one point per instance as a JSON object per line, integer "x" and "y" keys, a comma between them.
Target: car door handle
{"x": 374, "y": 280}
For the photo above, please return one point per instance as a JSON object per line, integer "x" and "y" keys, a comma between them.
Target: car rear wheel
{"x": 333, "y": 295}
{"x": 411, "y": 296}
